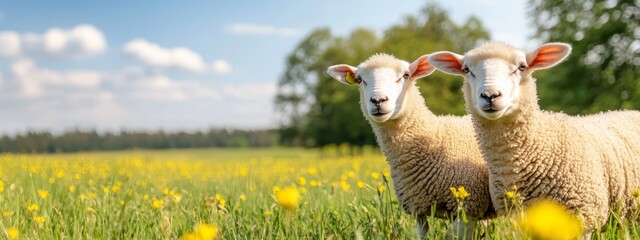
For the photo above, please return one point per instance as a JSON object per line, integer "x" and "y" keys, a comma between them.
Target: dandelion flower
{"x": 511, "y": 194}
{"x": 375, "y": 175}
{"x": 302, "y": 181}
{"x": 156, "y": 203}
{"x": 313, "y": 183}
{"x": 288, "y": 198}
{"x": 243, "y": 197}
{"x": 635, "y": 193}
{"x": 105, "y": 189}
{"x": 13, "y": 233}
{"x": 381, "y": 188}
{"x": 351, "y": 174}
{"x": 549, "y": 220}
{"x": 206, "y": 231}
{"x": 345, "y": 186}
{"x": 312, "y": 171}
{"x": 33, "y": 207}
{"x": 43, "y": 194}
{"x": 39, "y": 219}
{"x": 460, "y": 193}
{"x": 115, "y": 188}
{"x": 91, "y": 210}
{"x": 145, "y": 197}
{"x": 360, "y": 184}
{"x": 267, "y": 213}
{"x": 72, "y": 188}
{"x": 1, "y": 186}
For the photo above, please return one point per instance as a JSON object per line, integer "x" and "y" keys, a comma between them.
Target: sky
{"x": 180, "y": 65}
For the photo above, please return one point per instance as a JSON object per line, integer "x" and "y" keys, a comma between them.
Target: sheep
{"x": 427, "y": 154}
{"x": 591, "y": 164}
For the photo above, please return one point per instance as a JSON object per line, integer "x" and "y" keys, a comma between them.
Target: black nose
{"x": 490, "y": 98}
{"x": 378, "y": 101}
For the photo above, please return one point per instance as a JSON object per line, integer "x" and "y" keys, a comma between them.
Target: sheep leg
{"x": 462, "y": 230}
{"x": 423, "y": 225}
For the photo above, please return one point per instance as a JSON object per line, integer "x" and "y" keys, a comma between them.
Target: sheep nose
{"x": 490, "y": 96}
{"x": 378, "y": 101}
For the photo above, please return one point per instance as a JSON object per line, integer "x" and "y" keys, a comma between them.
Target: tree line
{"x": 603, "y": 73}
{"x": 74, "y": 141}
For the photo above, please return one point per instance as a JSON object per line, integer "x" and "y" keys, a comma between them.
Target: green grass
{"x": 114, "y": 194}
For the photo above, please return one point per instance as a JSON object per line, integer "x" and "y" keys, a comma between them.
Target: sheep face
{"x": 495, "y": 72}
{"x": 382, "y": 79}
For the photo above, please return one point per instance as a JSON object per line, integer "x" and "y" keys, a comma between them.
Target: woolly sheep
{"x": 427, "y": 154}
{"x": 591, "y": 164}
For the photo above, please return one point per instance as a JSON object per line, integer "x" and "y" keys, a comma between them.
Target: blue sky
{"x": 179, "y": 65}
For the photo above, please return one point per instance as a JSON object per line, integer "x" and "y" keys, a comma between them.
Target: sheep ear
{"x": 448, "y": 62}
{"x": 421, "y": 67}
{"x": 343, "y": 73}
{"x": 548, "y": 55}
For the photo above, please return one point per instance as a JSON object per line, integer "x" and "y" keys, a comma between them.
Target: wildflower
{"x": 115, "y": 188}
{"x": 460, "y": 193}
{"x": 312, "y": 171}
{"x": 7, "y": 214}
{"x": 244, "y": 172}
{"x": 203, "y": 231}
{"x": 302, "y": 181}
{"x": 345, "y": 186}
{"x": 145, "y": 197}
{"x": 351, "y": 174}
{"x": 72, "y": 188}
{"x": 105, "y": 190}
{"x": 92, "y": 195}
{"x": 33, "y": 207}
{"x": 243, "y": 197}
{"x": 122, "y": 202}
{"x": 43, "y": 194}
{"x": 386, "y": 174}
{"x": 220, "y": 201}
{"x": 381, "y": 188}
{"x": 360, "y": 184}
{"x": 635, "y": 193}
{"x": 60, "y": 174}
{"x": 13, "y": 233}
{"x": 511, "y": 194}
{"x": 39, "y": 219}
{"x": 313, "y": 183}
{"x": 288, "y": 198}
{"x": 1, "y": 186}
{"x": 267, "y": 213}
{"x": 91, "y": 210}
{"x": 375, "y": 175}
{"x": 276, "y": 189}
{"x": 166, "y": 191}
{"x": 77, "y": 176}
{"x": 157, "y": 203}
{"x": 549, "y": 220}
{"x": 90, "y": 182}
{"x": 52, "y": 180}
{"x": 176, "y": 198}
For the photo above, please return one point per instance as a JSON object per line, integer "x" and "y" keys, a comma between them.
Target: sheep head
{"x": 495, "y": 73}
{"x": 383, "y": 80}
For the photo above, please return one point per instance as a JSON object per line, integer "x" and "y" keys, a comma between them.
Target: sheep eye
{"x": 522, "y": 67}
{"x": 358, "y": 79}
{"x": 406, "y": 76}
{"x": 465, "y": 69}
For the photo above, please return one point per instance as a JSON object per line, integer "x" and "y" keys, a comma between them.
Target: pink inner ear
{"x": 450, "y": 61}
{"x": 423, "y": 66}
{"x": 547, "y": 56}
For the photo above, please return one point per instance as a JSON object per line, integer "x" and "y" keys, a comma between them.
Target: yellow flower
{"x": 275, "y": 189}
{"x": 52, "y": 180}
{"x": 90, "y": 182}
{"x": 267, "y": 213}
{"x": 115, "y": 188}
{"x": 511, "y": 194}
{"x": 375, "y": 175}
{"x": 313, "y": 183}
{"x": 145, "y": 197}
{"x": 345, "y": 186}
{"x": 635, "y": 193}
{"x": 33, "y": 207}
{"x": 312, "y": 171}
{"x": 549, "y": 220}
{"x": 243, "y": 197}
{"x": 91, "y": 210}
{"x": 360, "y": 184}
{"x": 351, "y": 174}
{"x": 7, "y": 214}
{"x": 244, "y": 172}
{"x": 288, "y": 198}
{"x": 1, "y": 186}
{"x": 60, "y": 174}
{"x": 122, "y": 202}
{"x": 302, "y": 181}
{"x": 39, "y": 219}
{"x": 13, "y": 233}
{"x": 460, "y": 193}
{"x": 166, "y": 191}
{"x": 156, "y": 203}
{"x": 92, "y": 195}
{"x": 206, "y": 231}
{"x": 176, "y": 198}
{"x": 43, "y": 194}
{"x": 381, "y": 188}
{"x": 72, "y": 188}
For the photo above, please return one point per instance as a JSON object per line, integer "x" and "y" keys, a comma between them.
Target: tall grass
{"x": 168, "y": 194}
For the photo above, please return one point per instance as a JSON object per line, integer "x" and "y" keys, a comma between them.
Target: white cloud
{"x": 81, "y": 41}
{"x": 154, "y": 55}
{"x": 221, "y": 67}
{"x": 257, "y": 29}
{"x": 32, "y": 80}
{"x": 252, "y": 91}
{"x": 10, "y": 45}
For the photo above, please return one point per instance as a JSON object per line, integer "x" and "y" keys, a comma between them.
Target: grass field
{"x": 278, "y": 193}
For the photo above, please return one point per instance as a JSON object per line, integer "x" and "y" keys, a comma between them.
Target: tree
{"x": 602, "y": 73}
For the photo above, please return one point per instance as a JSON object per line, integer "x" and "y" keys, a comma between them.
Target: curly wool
{"x": 591, "y": 164}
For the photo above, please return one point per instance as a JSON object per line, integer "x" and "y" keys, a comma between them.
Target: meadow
{"x": 271, "y": 193}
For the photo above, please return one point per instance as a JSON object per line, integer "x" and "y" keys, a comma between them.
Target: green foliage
{"x": 318, "y": 110}
{"x": 603, "y": 73}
